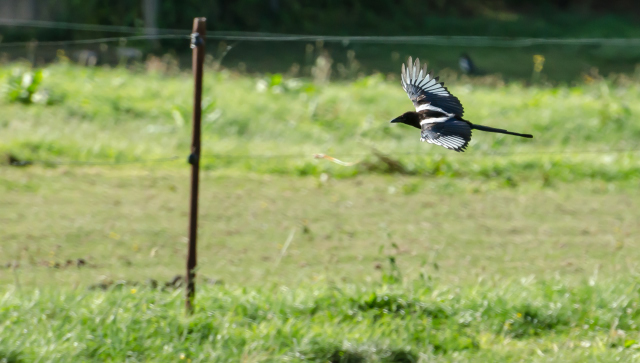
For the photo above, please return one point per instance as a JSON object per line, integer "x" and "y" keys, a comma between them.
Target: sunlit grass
{"x": 114, "y": 115}
{"x": 517, "y": 250}
{"x": 424, "y": 321}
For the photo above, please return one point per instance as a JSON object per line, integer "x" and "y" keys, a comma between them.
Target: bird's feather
{"x": 452, "y": 134}
{"x": 426, "y": 92}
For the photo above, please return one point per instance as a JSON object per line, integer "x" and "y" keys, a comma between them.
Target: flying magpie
{"x": 438, "y": 113}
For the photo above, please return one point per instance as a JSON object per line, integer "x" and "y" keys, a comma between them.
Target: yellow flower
{"x": 538, "y": 63}
{"x": 182, "y": 356}
{"x": 133, "y": 291}
{"x": 587, "y": 79}
{"x": 519, "y": 315}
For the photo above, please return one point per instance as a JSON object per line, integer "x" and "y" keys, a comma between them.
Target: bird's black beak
{"x": 396, "y": 120}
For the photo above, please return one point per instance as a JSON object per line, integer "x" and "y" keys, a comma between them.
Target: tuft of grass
{"x": 25, "y": 86}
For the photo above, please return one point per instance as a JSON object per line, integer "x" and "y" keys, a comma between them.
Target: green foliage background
{"x": 500, "y": 17}
{"x": 517, "y": 250}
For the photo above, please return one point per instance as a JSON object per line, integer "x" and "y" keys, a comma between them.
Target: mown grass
{"x": 517, "y": 250}
{"x": 130, "y": 224}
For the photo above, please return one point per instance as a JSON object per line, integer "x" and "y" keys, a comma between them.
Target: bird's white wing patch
{"x": 423, "y": 89}
{"x": 427, "y": 106}
{"x": 434, "y": 120}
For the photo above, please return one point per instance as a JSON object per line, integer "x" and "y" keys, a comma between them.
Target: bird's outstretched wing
{"x": 452, "y": 134}
{"x": 424, "y": 90}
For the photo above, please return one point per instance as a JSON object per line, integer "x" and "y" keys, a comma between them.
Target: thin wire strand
{"x": 87, "y": 27}
{"x": 438, "y": 40}
{"x": 473, "y": 41}
{"x": 94, "y": 41}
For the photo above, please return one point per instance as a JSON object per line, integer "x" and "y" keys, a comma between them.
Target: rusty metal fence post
{"x": 198, "y": 37}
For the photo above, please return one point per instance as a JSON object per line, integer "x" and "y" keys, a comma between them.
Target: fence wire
{"x": 87, "y": 27}
{"x": 439, "y": 40}
{"x": 467, "y": 41}
{"x": 93, "y": 41}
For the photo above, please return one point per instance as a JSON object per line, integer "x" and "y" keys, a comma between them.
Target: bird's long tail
{"x": 499, "y": 131}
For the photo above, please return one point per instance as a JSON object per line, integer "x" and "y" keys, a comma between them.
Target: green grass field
{"x": 517, "y": 250}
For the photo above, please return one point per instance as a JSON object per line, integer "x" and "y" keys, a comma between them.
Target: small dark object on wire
{"x": 438, "y": 113}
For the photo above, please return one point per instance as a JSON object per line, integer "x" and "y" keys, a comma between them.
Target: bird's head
{"x": 408, "y": 118}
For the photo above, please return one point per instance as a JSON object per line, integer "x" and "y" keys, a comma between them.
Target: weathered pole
{"x": 198, "y": 37}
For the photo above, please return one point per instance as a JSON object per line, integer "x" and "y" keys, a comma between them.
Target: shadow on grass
{"x": 334, "y": 354}
{"x": 345, "y": 356}
{"x": 330, "y": 353}
{"x": 532, "y": 322}
{"x": 390, "y": 304}
{"x": 401, "y": 356}
{"x": 10, "y": 357}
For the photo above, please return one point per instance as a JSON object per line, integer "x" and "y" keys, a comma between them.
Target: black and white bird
{"x": 466, "y": 64}
{"x": 438, "y": 113}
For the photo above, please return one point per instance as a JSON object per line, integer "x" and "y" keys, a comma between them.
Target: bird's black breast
{"x": 425, "y": 114}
